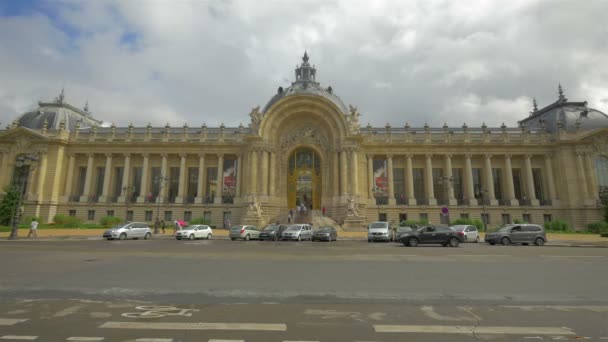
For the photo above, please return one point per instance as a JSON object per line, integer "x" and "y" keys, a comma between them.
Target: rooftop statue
{"x": 256, "y": 118}
{"x": 353, "y": 118}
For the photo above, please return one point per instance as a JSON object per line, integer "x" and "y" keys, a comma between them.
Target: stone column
{"x": 370, "y": 175}
{"x": 143, "y": 186}
{"x": 254, "y": 172}
{"x": 343, "y": 188}
{"x": 3, "y": 166}
{"x": 200, "y": 186}
{"x": 239, "y": 171}
{"x": 551, "y": 180}
{"x": 510, "y": 193}
{"x": 87, "y": 179}
{"x": 40, "y": 182}
{"x": 106, "y": 179}
{"x": 126, "y": 175}
{"x": 450, "y": 180}
{"x": 336, "y": 174}
{"x": 272, "y": 176}
{"x": 530, "y": 181}
{"x": 181, "y": 185}
{"x": 583, "y": 186}
{"x": 490, "y": 180}
{"x": 468, "y": 177}
{"x": 164, "y": 182}
{"x": 354, "y": 184}
{"x": 409, "y": 175}
{"x": 591, "y": 178}
{"x": 69, "y": 179}
{"x": 220, "y": 179}
{"x": 430, "y": 191}
{"x": 391, "y": 184}
{"x": 264, "y": 172}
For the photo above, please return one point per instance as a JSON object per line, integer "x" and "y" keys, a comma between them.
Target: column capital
{"x": 468, "y": 156}
{"x": 409, "y": 155}
{"x": 220, "y": 155}
{"x": 389, "y": 156}
{"x": 90, "y": 155}
{"x": 202, "y": 155}
{"x": 508, "y": 156}
{"x": 164, "y": 155}
{"x": 429, "y": 156}
{"x": 183, "y": 155}
{"x": 70, "y": 154}
{"x": 448, "y": 155}
{"x": 127, "y": 155}
{"x": 548, "y": 155}
{"x": 528, "y": 156}
{"x": 145, "y": 155}
{"x": 487, "y": 156}
{"x": 370, "y": 156}
{"x": 108, "y": 155}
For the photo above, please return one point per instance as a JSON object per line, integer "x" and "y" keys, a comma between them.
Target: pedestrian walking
{"x": 323, "y": 210}
{"x": 289, "y": 217}
{"x": 163, "y": 225}
{"x": 33, "y": 229}
{"x": 176, "y": 227}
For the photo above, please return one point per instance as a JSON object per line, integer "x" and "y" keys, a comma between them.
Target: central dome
{"x": 305, "y": 84}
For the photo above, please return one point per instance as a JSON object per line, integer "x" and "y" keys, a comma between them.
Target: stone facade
{"x": 306, "y": 149}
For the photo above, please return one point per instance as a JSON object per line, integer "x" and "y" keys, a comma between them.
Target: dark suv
{"x": 431, "y": 234}
{"x": 518, "y": 233}
{"x": 272, "y": 232}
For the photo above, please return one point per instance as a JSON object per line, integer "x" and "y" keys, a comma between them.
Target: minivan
{"x": 518, "y": 233}
{"x": 297, "y": 232}
{"x": 378, "y": 231}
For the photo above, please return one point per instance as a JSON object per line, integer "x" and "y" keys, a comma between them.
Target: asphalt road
{"x": 219, "y": 290}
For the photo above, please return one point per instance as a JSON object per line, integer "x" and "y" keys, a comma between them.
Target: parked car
{"x": 272, "y": 232}
{"x": 325, "y": 234}
{"x": 297, "y": 232}
{"x": 400, "y": 231}
{"x": 431, "y": 235}
{"x": 518, "y": 233}
{"x": 195, "y": 231}
{"x": 245, "y": 232}
{"x": 131, "y": 230}
{"x": 469, "y": 232}
{"x": 378, "y": 231}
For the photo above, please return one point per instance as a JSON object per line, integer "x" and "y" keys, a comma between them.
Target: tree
{"x": 8, "y": 204}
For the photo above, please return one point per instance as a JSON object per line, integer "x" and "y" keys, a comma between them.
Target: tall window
{"x": 82, "y": 174}
{"x": 418, "y": 175}
{"x": 517, "y": 183}
{"x": 117, "y": 181}
{"x": 497, "y": 176}
{"x": 399, "y": 184}
{"x": 211, "y": 184}
{"x": 457, "y": 184}
{"x": 439, "y": 186}
{"x": 477, "y": 184}
{"x": 101, "y": 171}
{"x": 136, "y": 190}
{"x": 156, "y": 181}
{"x": 173, "y": 183}
{"x": 192, "y": 183}
{"x": 601, "y": 169}
{"x": 537, "y": 176}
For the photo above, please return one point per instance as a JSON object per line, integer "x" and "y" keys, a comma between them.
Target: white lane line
{"x": 195, "y": 326}
{"x": 15, "y": 337}
{"x": 479, "y": 255}
{"x": 11, "y": 321}
{"x": 84, "y": 338}
{"x": 455, "y": 329}
{"x": 216, "y": 340}
{"x": 154, "y": 340}
{"x": 299, "y": 341}
{"x": 571, "y": 256}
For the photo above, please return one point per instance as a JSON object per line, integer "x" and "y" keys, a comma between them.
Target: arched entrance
{"x": 304, "y": 179}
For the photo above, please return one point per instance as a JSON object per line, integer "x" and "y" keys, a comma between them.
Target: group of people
{"x": 301, "y": 209}
{"x": 177, "y": 225}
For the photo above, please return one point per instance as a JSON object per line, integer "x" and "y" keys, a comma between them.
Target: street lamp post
{"x": 483, "y": 206}
{"x": 162, "y": 180}
{"x": 447, "y": 182}
{"x": 128, "y": 191}
{"x": 23, "y": 163}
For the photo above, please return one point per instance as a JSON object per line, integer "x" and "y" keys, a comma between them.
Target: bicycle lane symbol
{"x": 159, "y": 312}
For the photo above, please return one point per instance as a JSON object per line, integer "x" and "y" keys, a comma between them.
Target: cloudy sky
{"x": 211, "y": 61}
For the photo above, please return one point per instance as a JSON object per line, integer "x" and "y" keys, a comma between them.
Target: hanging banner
{"x": 380, "y": 178}
{"x": 229, "y": 177}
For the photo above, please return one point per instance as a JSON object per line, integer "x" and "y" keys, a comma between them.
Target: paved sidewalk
{"x": 568, "y": 240}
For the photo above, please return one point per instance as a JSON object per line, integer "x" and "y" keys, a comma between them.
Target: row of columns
{"x": 145, "y": 181}
{"x": 262, "y": 165}
{"x": 469, "y": 191}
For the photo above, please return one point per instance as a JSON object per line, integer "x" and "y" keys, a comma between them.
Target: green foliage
{"x": 597, "y": 227}
{"x": 413, "y": 224}
{"x": 557, "y": 225}
{"x": 518, "y": 221}
{"x": 199, "y": 220}
{"x": 109, "y": 221}
{"x": 8, "y": 204}
{"x": 66, "y": 221}
{"x": 473, "y": 222}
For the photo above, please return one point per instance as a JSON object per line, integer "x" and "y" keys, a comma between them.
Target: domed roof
{"x": 571, "y": 116}
{"x": 55, "y": 113}
{"x": 305, "y": 84}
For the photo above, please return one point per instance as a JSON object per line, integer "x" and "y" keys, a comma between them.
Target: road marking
{"x": 215, "y": 340}
{"x": 82, "y": 338}
{"x": 571, "y": 256}
{"x": 14, "y": 337}
{"x": 195, "y": 326}
{"x": 154, "y": 340}
{"x": 455, "y": 329}
{"x": 11, "y": 321}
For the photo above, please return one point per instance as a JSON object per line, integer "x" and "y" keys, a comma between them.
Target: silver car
{"x": 195, "y": 231}
{"x": 468, "y": 232}
{"x": 131, "y": 230}
{"x": 245, "y": 232}
{"x": 298, "y": 232}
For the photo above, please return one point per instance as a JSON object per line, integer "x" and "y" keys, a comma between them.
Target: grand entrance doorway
{"x": 304, "y": 179}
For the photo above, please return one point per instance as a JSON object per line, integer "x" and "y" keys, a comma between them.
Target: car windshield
{"x": 505, "y": 229}
{"x": 188, "y": 227}
{"x": 236, "y": 227}
{"x": 324, "y": 230}
{"x": 118, "y": 226}
{"x": 421, "y": 229}
{"x": 378, "y": 225}
{"x": 457, "y": 228}
{"x": 271, "y": 228}
{"x": 292, "y": 228}
{"x": 404, "y": 229}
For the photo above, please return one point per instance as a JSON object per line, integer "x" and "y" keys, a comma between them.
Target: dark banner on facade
{"x": 380, "y": 178}
{"x": 229, "y": 178}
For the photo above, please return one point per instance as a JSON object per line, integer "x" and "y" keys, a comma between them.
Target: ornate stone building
{"x": 306, "y": 150}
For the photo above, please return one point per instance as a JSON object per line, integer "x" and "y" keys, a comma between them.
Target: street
{"x": 221, "y": 290}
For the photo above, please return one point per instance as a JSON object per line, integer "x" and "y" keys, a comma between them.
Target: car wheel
{"x": 191, "y": 237}
{"x": 477, "y": 239}
{"x": 368, "y": 240}
{"x": 276, "y": 238}
{"x": 492, "y": 243}
{"x": 122, "y": 236}
{"x": 539, "y": 241}
{"x": 210, "y": 236}
{"x": 466, "y": 238}
{"x": 110, "y": 239}
{"x": 147, "y": 236}
{"x": 505, "y": 241}
{"x": 454, "y": 242}
{"x": 413, "y": 242}
{"x": 247, "y": 237}
{"x": 232, "y": 239}
{"x": 299, "y": 238}
{"x": 524, "y": 243}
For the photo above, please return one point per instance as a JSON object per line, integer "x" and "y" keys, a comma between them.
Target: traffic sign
{"x": 444, "y": 210}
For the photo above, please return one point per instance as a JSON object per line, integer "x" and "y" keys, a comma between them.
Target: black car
{"x": 431, "y": 235}
{"x": 325, "y": 234}
{"x": 272, "y": 232}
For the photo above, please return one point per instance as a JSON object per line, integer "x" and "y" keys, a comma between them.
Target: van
{"x": 378, "y": 231}
{"x": 518, "y": 233}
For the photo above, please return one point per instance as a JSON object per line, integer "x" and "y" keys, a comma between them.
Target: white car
{"x": 195, "y": 231}
{"x": 469, "y": 233}
{"x": 131, "y": 230}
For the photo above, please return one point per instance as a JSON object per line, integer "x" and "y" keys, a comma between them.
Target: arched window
{"x": 601, "y": 168}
